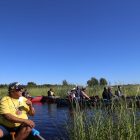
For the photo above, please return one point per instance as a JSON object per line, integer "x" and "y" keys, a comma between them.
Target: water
{"x": 51, "y": 121}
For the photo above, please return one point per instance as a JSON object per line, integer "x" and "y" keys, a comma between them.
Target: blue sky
{"x": 48, "y": 41}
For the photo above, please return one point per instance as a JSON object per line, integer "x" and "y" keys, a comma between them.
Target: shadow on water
{"x": 51, "y": 121}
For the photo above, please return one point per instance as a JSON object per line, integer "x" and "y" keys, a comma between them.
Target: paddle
{"x": 37, "y": 133}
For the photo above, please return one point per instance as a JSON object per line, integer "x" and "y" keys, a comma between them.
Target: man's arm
{"x": 85, "y": 95}
{"x": 14, "y": 119}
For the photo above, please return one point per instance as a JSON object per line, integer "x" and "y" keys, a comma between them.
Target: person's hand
{"x": 29, "y": 123}
{"x": 29, "y": 103}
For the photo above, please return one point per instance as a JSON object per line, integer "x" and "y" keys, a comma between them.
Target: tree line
{"x": 92, "y": 82}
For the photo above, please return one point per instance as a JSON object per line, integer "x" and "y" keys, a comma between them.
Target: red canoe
{"x": 35, "y": 99}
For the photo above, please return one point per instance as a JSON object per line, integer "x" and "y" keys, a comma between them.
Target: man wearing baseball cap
{"x": 14, "y": 111}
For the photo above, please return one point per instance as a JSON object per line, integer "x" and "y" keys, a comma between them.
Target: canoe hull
{"x": 35, "y": 99}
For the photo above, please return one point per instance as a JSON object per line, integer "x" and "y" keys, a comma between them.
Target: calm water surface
{"x": 51, "y": 121}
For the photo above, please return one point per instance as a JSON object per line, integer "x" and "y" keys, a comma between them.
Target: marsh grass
{"x": 114, "y": 123}
{"x": 3, "y": 91}
{"x": 130, "y": 90}
{"x": 127, "y": 90}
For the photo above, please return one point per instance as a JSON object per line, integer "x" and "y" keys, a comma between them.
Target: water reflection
{"x": 51, "y": 121}
{"x": 52, "y": 110}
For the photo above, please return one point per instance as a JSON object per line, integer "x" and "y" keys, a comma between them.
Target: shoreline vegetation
{"x": 127, "y": 90}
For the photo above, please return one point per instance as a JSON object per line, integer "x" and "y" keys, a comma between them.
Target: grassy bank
{"x": 130, "y": 90}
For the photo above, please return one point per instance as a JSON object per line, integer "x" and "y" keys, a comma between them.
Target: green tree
{"x": 92, "y": 82}
{"x": 3, "y": 85}
{"x": 65, "y": 83}
{"x": 103, "y": 81}
{"x": 31, "y": 84}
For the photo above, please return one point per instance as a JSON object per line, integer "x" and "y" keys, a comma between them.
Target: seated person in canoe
{"x": 71, "y": 94}
{"x": 51, "y": 93}
{"x": 14, "y": 111}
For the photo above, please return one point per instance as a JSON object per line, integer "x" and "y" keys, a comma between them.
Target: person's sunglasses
{"x": 19, "y": 90}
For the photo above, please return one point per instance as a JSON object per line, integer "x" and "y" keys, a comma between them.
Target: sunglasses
{"x": 19, "y": 90}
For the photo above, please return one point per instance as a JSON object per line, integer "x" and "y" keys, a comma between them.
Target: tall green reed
{"x": 117, "y": 122}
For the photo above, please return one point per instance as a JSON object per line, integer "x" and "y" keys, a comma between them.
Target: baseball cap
{"x": 15, "y": 86}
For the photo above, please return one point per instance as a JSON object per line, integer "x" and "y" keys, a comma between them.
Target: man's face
{"x": 17, "y": 93}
